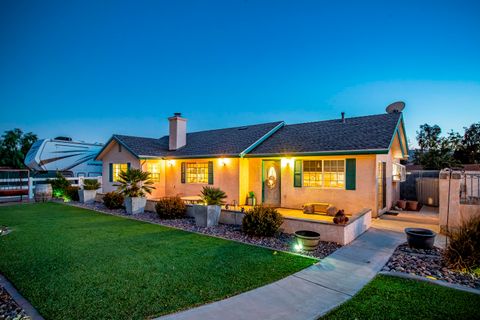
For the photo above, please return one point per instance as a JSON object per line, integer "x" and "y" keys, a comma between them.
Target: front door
{"x": 271, "y": 183}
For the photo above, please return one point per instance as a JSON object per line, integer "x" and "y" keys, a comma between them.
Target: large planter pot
{"x": 412, "y": 206}
{"x": 135, "y": 205}
{"x": 43, "y": 192}
{"x": 307, "y": 240}
{"x": 207, "y": 216}
{"x": 420, "y": 238}
{"x": 87, "y": 196}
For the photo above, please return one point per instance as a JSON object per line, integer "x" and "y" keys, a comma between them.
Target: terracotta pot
{"x": 412, "y": 206}
{"x": 402, "y": 204}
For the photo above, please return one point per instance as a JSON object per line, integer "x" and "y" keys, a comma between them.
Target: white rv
{"x": 72, "y": 158}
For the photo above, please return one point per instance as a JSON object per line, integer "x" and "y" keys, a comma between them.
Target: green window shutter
{"x": 351, "y": 174}
{"x": 210, "y": 172}
{"x": 297, "y": 174}
{"x": 182, "y": 178}
{"x": 128, "y": 166}
{"x": 110, "y": 172}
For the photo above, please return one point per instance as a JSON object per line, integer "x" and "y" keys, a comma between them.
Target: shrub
{"x": 171, "y": 208}
{"x": 71, "y": 194}
{"x": 463, "y": 250}
{"x": 59, "y": 185}
{"x": 91, "y": 184}
{"x": 261, "y": 221}
{"x": 213, "y": 196}
{"x": 134, "y": 183}
{"x": 113, "y": 200}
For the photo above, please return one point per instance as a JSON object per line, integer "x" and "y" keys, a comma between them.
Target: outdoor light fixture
{"x": 287, "y": 162}
{"x": 171, "y": 163}
{"x": 224, "y": 161}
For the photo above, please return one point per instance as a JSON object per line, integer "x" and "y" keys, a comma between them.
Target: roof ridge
{"x": 339, "y": 119}
{"x": 238, "y": 127}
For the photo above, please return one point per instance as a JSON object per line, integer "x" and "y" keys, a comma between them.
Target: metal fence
{"x": 422, "y": 186}
{"x": 470, "y": 188}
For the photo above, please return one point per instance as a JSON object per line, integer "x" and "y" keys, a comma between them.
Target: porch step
{"x": 422, "y": 218}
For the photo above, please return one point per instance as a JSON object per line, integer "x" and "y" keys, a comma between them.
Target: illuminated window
{"x": 197, "y": 172}
{"x": 154, "y": 169}
{"x": 116, "y": 168}
{"x": 324, "y": 173}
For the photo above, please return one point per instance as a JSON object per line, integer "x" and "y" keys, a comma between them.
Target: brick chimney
{"x": 178, "y": 131}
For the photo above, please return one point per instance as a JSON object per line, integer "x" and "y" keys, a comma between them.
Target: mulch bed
{"x": 427, "y": 263}
{"x": 281, "y": 241}
{"x": 9, "y": 309}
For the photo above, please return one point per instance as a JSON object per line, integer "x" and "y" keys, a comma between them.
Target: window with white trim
{"x": 117, "y": 168}
{"x": 324, "y": 173}
{"x": 197, "y": 172}
{"x": 154, "y": 169}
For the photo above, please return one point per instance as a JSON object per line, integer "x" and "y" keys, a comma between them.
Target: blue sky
{"x": 90, "y": 69}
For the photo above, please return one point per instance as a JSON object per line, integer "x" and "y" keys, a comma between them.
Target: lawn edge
{"x": 435, "y": 282}
{"x": 19, "y": 299}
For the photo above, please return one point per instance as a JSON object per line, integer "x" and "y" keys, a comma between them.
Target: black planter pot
{"x": 419, "y": 238}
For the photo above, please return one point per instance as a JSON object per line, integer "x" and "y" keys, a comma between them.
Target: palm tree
{"x": 134, "y": 183}
{"x": 213, "y": 196}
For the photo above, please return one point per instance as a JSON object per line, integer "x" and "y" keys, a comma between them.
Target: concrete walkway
{"x": 312, "y": 292}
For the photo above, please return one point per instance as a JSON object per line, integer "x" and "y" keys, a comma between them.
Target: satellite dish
{"x": 395, "y": 107}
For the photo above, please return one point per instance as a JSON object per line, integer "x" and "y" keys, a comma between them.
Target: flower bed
{"x": 281, "y": 241}
{"x": 427, "y": 263}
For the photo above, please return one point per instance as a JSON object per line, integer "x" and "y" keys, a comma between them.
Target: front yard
{"x": 393, "y": 298}
{"x": 73, "y": 263}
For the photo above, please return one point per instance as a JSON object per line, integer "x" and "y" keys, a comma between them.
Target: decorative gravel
{"x": 281, "y": 241}
{"x": 427, "y": 263}
{"x": 9, "y": 309}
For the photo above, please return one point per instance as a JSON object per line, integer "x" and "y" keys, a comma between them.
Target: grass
{"x": 394, "y": 298}
{"x": 73, "y": 263}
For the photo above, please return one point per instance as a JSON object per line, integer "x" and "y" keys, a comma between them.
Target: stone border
{"x": 19, "y": 299}
{"x": 436, "y": 282}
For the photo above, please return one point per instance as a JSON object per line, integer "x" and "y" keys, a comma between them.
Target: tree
{"x": 469, "y": 150}
{"x": 436, "y": 152}
{"x": 14, "y": 146}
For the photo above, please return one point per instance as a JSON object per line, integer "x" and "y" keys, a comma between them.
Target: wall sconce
{"x": 170, "y": 163}
{"x": 287, "y": 162}
{"x": 224, "y": 161}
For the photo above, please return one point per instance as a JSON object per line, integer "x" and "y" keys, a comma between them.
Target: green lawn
{"x": 73, "y": 263}
{"x": 394, "y": 298}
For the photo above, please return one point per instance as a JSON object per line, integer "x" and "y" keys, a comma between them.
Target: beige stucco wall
{"x": 225, "y": 177}
{"x": 113, "y": 155}
{"x": 350, "y": 200}
{"x": 159, "y": 191}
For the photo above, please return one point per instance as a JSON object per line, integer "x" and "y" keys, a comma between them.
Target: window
{"x": 197, "y": 172}
{"x": 324, "y": 173}
{"x": 154, "y": 169}
{"x": 116, "y": 168}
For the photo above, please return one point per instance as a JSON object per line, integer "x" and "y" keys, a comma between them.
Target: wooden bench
{"x": 319, "y": 208}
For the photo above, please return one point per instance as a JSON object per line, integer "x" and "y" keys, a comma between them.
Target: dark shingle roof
{"x": 226, "y": 142}
{"x": 359, "y": 133}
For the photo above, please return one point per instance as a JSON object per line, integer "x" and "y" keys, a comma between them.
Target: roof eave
{"x": 320, "y": 153}
{"x": 112, "y": 138}
{"x": 262, "y": 139}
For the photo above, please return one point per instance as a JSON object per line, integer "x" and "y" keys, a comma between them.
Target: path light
{"x": 297, "y": 247}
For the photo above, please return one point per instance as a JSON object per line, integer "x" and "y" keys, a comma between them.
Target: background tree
{"x": 14, "y": 145}
{"x": 469, "y": 150}
{"x": 436, "y": 152}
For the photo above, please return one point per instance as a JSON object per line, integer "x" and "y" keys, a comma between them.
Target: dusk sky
{"x": 91, "y": 69}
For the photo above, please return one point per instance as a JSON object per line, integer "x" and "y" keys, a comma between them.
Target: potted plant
{"x": 134, "y": 184}
{"x": 89, "y": 190}
{"x": 208, "y": 215}
{"x": 251, "y": 200}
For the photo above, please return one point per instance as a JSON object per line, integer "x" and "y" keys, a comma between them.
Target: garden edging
{"x": 19, "y": 299}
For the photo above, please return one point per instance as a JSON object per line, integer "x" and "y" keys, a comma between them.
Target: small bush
{"x": 91, "y": 184}
{"x": 113, "y": 200}
{"x": 171, "y": 208}
{"x": 261, "y": 221}
{"x": 71, "y": 194}
{"x": 463, "y": 250}
{"x": 59, "y": 185}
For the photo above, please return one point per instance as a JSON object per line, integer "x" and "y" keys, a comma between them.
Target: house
{"x": 352, "y": 163}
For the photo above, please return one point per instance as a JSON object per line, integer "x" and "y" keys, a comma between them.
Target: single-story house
{"x": 352, "y": 163}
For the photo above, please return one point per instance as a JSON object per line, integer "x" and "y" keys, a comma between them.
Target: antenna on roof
{"x": 395, "y": 107}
